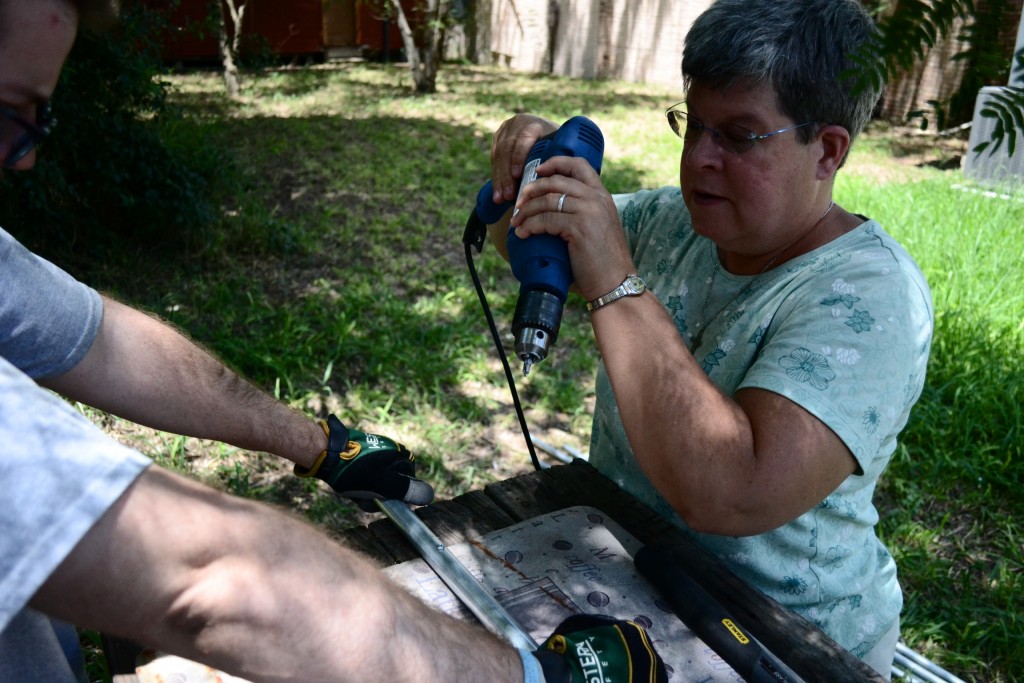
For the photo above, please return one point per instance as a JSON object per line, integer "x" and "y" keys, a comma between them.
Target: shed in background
{"x": 307, "y": 28}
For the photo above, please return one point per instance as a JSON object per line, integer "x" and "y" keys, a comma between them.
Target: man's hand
{"x": 364, "y": 467}
{"x": 588, "y": 648}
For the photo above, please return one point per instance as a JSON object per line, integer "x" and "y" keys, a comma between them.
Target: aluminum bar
{"x": 922, "y": 667}
{"x": 482, "y": 604}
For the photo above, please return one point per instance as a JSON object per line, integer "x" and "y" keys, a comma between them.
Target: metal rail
{"x": 481, "y": 603}
{"x": 916, "y": 668}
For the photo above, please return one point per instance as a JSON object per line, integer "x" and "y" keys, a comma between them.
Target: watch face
{"x": 635, "y": 285}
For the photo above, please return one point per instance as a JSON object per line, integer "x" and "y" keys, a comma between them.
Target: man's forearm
{"x": 144, "y": 370}
{"x": 257, "y": 594}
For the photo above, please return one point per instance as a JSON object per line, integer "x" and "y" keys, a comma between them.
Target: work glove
{"x": 364, "y": 467}
{"x": 591, "y": 648}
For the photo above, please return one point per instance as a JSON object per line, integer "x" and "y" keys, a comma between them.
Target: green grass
{"x": 337, "y": 280}
{"x": 951, "y": 509}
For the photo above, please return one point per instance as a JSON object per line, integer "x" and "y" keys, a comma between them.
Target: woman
{"x": 756, "y": 396}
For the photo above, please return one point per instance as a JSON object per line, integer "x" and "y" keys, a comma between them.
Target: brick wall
{"x": 934, "y": 78}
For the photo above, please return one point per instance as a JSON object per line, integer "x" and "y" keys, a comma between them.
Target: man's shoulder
{"x": 48, "y": 319}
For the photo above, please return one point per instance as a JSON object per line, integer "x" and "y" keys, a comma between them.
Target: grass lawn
{"x": 338, "y": 280}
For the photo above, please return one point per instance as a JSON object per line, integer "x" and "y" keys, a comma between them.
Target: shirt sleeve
{"x": 851, "y": 347}
{"x": 48, "y": 320}
{"x": 58, "y": 475}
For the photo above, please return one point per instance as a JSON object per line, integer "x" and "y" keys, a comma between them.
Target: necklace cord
{"x": 705, "y": 321}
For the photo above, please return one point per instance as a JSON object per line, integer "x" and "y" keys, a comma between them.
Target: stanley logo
{"x": 735, "y": 631}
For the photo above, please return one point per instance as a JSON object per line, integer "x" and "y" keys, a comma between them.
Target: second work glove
{"x": 364, "y": 467}
{"x": 591, "y": 648}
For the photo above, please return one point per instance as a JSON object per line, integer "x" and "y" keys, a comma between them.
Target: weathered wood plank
{"x": 361, "y": 539}
{"x": 469, "y": 516}
{"x": 453, "y": 521}
{"x": 389, "y": 536}
{"x": 792, "y": 638}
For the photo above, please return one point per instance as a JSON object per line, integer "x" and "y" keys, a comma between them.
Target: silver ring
{"x": 561, "y": 200}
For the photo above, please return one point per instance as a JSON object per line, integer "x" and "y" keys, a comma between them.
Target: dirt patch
{"x": 898, "y": 154}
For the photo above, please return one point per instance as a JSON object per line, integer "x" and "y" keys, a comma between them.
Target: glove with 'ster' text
{"x": 590, "y": 648}
{"x": 363, "y": 467}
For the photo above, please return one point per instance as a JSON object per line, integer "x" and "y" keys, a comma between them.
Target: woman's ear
{"x": 835, "y": 145}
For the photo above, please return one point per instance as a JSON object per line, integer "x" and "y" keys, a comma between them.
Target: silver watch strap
{"x": 619, "y": 292}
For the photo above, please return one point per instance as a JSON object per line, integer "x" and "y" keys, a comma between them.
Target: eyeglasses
{"x": 29, "y": 134}
{"x": 733, "y": 138}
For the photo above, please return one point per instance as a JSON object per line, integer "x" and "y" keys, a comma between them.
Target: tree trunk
{"x": 232, "y": 81}
{"x": 425, "y": 60}
{"x": 228, "y": 44}
{"x": 408, "y": 40}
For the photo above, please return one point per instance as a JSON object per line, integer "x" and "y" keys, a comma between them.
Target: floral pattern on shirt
{"x": 843, "y": 331}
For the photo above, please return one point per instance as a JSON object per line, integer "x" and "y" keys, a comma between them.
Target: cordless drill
{"x": 541, "y": 262}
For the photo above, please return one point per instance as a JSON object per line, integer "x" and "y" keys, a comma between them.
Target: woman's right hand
{"x": 512, "y": 143}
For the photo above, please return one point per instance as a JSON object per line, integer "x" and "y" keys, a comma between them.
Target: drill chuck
{"x": 535, "y": 326}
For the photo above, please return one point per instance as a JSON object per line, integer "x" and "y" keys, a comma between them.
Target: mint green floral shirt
{"x": 843, "y": 331}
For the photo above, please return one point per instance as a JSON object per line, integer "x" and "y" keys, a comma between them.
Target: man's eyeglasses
{"x": 29, "y": 134}
{"x": 733, "y": 138}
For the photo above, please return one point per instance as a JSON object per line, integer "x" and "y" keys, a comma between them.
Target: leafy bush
{"x": 114, "y": 169}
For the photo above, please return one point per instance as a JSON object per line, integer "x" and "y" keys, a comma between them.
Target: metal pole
{"x": 481, "y": 603}
{"x": 921, "y": 667}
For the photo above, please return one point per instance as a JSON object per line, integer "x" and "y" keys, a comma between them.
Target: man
{"x": 96, "y": 536}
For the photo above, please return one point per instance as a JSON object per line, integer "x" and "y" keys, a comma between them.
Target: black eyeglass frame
{"x": 729, "y": 143}
{"x": 32, "y": 134}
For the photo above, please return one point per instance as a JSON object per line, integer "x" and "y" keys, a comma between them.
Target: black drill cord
{"x": 470, "y": 241}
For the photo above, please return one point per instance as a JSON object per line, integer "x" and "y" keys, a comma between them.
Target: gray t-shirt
{"x": 47, "y": 318}
{"x": 843, "y": 331}
{"x": 59, "y": 473}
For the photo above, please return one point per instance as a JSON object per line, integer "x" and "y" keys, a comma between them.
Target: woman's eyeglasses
{"x": 732, "y": 138}
{"x": 29, "y": 134}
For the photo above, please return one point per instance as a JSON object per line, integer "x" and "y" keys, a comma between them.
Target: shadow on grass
{"x": 373, "y": 295}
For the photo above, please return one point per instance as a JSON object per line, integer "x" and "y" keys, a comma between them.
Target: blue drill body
{"x": 541, "y": 262}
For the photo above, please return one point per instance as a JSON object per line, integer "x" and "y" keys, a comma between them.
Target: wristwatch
{"x": 633, "y": 285}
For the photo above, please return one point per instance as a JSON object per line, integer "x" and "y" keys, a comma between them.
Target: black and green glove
{"x": 590, "y": 648}
{"x": 364, "y": 467}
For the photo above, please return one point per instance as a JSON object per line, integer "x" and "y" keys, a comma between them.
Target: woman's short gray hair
{"x": 801, "y": 48}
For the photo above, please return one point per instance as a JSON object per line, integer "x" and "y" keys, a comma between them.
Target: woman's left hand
{"x": 586, "y": 219}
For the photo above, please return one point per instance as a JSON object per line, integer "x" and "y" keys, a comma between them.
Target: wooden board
{"x": 801, "y": 645}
